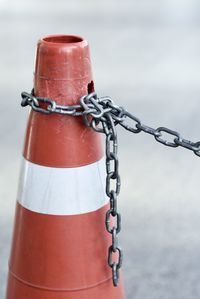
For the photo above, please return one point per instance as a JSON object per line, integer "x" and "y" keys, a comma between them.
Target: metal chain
{"x": 102, "y": 114}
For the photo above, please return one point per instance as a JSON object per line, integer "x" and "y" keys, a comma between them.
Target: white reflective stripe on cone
{"x": 62, "y": 191}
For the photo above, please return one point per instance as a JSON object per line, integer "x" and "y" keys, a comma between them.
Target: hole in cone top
{"x": 63, "y": 39}
{"x": 90, "y": 87}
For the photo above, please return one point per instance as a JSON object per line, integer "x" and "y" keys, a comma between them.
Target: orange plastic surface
{"x": 63, "y": 73}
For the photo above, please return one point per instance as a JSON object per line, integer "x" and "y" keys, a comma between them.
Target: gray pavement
{"x": 145, "y": 54}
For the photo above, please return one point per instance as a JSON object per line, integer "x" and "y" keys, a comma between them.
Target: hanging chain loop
{"x": 102, "y": 115}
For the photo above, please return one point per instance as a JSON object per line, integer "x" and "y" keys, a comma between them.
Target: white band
{"x": 62, "y": 191}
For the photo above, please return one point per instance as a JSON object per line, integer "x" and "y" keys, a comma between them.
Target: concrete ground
{"x": 145, "y": 55}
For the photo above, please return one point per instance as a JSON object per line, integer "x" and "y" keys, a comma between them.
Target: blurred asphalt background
{"x": 146, "y": 55}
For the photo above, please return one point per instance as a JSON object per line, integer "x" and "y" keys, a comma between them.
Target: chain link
{"x": 102, "y": 114}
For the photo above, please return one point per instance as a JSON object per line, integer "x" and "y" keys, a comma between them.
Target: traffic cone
{"x": 60, "y": 244}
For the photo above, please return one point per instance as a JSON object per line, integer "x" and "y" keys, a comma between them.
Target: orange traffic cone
{"x": 60, "y": 243}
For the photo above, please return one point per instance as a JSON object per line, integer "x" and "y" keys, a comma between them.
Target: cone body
{"x": 60, "y": 245}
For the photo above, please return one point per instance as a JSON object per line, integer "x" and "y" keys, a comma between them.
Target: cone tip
{"x": 60, "y": 40}
{"x": 62, "y": 57}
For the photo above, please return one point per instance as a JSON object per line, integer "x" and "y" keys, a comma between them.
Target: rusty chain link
{"x": 102, "y": 114}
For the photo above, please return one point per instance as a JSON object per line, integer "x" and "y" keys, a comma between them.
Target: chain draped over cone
{"x": 60, "y": 243}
